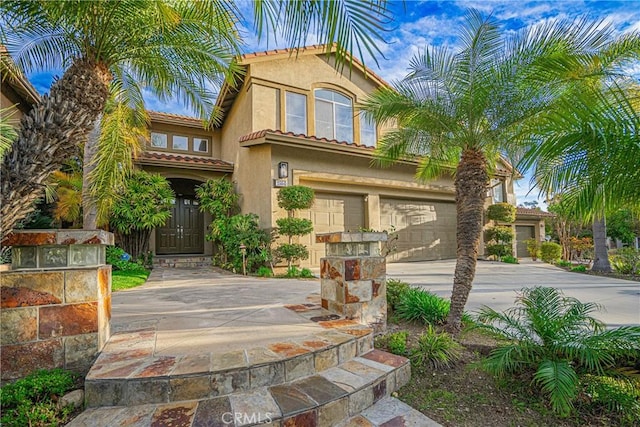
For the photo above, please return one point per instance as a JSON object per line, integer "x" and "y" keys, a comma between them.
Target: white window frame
{"x": 333, "y": 102}
{"x": 293, "y": 116}
{"x": 367, "y": 126}
{"x": 163, "y": 136}
{"x": 196, "y": 144}
{"x": 173, "y": 145}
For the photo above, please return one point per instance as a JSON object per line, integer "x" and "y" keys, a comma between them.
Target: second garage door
{"x": 331, "y": 212}
{"x": 426, "y": 230}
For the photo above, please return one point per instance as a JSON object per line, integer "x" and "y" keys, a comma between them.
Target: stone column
{"x": 353, "y": 277}
{"x": 56, "y": 301}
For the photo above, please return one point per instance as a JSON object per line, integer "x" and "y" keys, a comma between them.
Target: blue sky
{"x": 418, "y": 24}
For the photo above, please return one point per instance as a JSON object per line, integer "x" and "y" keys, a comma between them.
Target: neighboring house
{"x": 530, "y": 224}
{"x": 290, "y": 120}
{"x": 16, "y": 89}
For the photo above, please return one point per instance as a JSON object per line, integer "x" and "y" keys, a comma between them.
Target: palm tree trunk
{"x": 89, "y": 208}
{"x": 471, "y": 186}
{"x": 50, "y": 134}
{"x": 601, "y": 257}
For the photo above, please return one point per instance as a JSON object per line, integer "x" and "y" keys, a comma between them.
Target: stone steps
{"x": 389, "y": 412}
{"x": 128, "y": 373}
{"x": 334, "y": 395}
{"x": 182, "y": 261}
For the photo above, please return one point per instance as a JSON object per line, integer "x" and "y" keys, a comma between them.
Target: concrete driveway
{"x": 496, "y": 284}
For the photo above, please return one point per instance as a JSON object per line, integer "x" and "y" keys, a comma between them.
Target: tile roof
{"x": 176, "y": 119}
{"x": 273, "y": 52}
{"x": 264, "y": 132}
{"x": 532, "y": 212}
{"x": 179, "y": 159}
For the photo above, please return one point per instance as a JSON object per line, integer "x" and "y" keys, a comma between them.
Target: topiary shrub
{"x": 499, "y": 241}
{"x": 291, "y": 199}
{"x": 550, "y": 252}
{"x": 502, "y": 212}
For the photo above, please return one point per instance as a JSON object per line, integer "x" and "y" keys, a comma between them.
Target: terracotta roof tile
{"x": 182, "y": 159}
{"x": 157, "y": 115}
{"x": 532, "y": 212}
{"x": 264, "y": 132}
{"x": 311, "y": 47}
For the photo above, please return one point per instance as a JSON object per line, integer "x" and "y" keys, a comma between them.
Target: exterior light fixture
{"x": 283, "y": 170}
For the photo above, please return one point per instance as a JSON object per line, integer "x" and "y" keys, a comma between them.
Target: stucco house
{"x": 292, "y": 119}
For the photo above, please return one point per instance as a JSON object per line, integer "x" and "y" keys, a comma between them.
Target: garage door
{"x": 426, "y": 230}
{"x": 331, "y": 212}
{"x": 523, "y": 232}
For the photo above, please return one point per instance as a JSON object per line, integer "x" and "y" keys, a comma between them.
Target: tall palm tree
{"x": 588, "y": 150}
{"x": 457, "y": 112}
{"x": 172, "y": 48}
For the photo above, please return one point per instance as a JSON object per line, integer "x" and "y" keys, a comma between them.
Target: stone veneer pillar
{"x": 56, "y": 301}
{"x": 353, "y": 277}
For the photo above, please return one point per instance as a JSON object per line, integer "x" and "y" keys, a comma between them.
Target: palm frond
{"x": 560, "y": 381}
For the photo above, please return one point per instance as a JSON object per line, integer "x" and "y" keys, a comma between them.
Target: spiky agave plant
{"x": 557, "y": 338}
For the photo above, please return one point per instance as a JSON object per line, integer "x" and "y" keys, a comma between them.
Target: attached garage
{"x": 331, "y": 212}
{"x": 524, "y": 232}
{"x": 426, "y": 229}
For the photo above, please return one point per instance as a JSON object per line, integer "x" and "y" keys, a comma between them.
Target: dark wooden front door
{"x": 183, "y": 232}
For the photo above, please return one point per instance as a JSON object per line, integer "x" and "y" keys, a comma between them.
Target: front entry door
{"x": 183, "y": 232}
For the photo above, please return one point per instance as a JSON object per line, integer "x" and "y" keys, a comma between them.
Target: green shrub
{"x": 618, "y": 395}
{"x": 435, "y": 350}
{"x": 291, "y": 252}
{"x": 626, "y": 261}
{"x": 396, "y": 290}
{"x": 503, "y": 212}
{"x": 31, "y": 401}
{"x": 533, "y": 248}
{"x": 264, "y": 271}
{"x": 509, "y": 259}
{"x": 499, "y": 241}
{"x": 305, "y": 273}
{"x": 555, "y": 337}
{"x": 563, "y": 263}
{"x": 145, "y": 204}
{"x": 295, "y": 197}
{"x": 395, "y": 342}
{"x": 579, "y": 268}
{"x": 550, "y": 252}
{"x": 294, "y": 226}
{"x": 120, "y": 260}
{"x": 422, "y": 306}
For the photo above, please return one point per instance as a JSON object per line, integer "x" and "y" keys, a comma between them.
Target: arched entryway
{"x": 183, "y": 233}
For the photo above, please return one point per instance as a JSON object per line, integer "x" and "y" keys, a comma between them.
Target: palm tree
{"x": 172, "y": 48}
{"x": 457, "y": 112}
{"x": 588, "y": 151}
{"x": 555, "y": 337}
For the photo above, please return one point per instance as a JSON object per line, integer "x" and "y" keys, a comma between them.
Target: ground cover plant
{"x": 31, "y": 401}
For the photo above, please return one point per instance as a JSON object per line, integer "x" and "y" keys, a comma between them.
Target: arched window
{"x": 334, "y": 115}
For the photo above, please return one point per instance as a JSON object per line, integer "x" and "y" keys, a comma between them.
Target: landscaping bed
{"x": 465, "y": 395}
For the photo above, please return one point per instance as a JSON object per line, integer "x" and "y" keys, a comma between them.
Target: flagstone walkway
{"x": 198, "y": 347}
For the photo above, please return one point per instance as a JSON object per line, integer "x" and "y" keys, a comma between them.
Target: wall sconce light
{"x": 283, "y": 170}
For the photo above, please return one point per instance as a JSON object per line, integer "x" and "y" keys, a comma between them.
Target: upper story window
{"x": 201, "y": 145}
{"x": 367, "y": 131}
{"x": 296, "y": 113}
{"x": 180, "y": 143}
{"x": 334, "y": 115}
{"x": 498, "y": 192}
{"x": 176, "y": 142}
{"x": 158, "y": 140}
